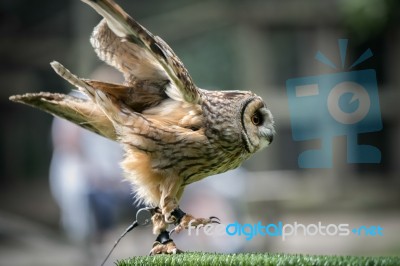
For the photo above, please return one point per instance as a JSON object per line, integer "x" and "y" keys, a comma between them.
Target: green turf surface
{"x": 203, "y": 259}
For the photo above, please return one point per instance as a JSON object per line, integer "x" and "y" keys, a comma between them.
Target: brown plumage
{"x": 173, "y": 133}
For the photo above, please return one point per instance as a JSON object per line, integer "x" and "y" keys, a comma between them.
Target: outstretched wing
{"x": 151, "y": 69}
{"x": 123, "y": 43}
{"x": 82, "y": 112}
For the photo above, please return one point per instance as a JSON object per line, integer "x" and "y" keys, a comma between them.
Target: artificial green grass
{"x": 204, "y": 259}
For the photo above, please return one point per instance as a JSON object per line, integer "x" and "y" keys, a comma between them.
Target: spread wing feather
{"x": 125, "y": 44}
{"x": 80, "y": 111}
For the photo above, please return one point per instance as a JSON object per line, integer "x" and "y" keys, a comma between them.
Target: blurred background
{"x": 62, "y": 199}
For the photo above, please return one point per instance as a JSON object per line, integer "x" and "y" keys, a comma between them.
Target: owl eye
{"x": 257, "y": 119}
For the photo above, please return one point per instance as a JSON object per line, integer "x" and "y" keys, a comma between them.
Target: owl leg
{"x": 168, "y": 200}
{"x": 184, "y": 220}
{"x": 173, "y": 214}
{"x": 163, "y": 243}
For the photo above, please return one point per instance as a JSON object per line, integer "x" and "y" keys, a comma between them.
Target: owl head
{"x": 239, "y": 117}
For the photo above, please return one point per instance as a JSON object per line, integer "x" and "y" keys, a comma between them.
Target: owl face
{"x": 257, "y": 123}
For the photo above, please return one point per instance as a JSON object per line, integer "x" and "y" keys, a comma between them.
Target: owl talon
{"x": 214, "y": 220}
{"x": 169, "y": 248}
{"x": 164, "y": 245}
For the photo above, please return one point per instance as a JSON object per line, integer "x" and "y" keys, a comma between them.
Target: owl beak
{"x": 270, "y": 138}
{"x": 267, "y": 139}
{"x": 267, "y": 130}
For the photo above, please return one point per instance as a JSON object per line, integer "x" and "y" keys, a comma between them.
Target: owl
{"x": 173, "y": 133}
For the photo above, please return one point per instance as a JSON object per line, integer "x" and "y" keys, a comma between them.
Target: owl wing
{"x": 126, "y": 45}
{"x": 83, "y": 112}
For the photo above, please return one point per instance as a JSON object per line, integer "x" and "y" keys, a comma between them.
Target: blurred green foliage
{"x": 368, "y": 18}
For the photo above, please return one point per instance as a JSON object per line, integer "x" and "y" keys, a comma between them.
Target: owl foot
{"x": 164, "y": 245}
{"x": 184, "y": 221}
